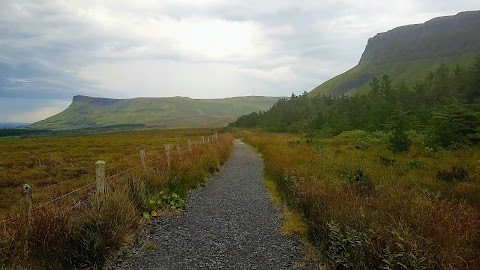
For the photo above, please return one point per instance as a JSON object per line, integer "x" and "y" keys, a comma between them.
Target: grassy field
{"x": 367, "y": 208}
{"x": 43, "y": 162}
{"x": 78, "y": 230}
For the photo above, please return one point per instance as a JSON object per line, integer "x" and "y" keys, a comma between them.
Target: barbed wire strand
{"x": 52, "y": 185}
{"x": 62, "y": 196}
{"x": 122, "y": 172}
{"x": 89, "y": 184}
{"x": 136, "y": 167}
{"x": 116, "y": 174}
{"x": 51, "y": 201}
{"x": 157, "y": 158}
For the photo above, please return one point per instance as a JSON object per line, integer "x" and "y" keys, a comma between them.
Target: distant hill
{"x": 408, "y": 52}
{"x": 13, "y": 125}
{"x": 171, "y": 112}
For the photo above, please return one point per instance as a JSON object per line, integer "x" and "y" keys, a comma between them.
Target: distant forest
{"x": 444, "y": 106}
{"x": 25, "y": 132}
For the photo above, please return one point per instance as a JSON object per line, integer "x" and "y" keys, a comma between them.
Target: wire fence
{"x": 63, "y": 196}
{"x": 168, "y": 153}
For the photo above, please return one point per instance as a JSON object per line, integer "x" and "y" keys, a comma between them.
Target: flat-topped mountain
{"x": 169, "y": 112}
{"x": 408, "y": 52}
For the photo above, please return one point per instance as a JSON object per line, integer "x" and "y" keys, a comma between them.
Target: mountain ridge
{"x": 166, "y": 112}
{"x": 407, "y": 52}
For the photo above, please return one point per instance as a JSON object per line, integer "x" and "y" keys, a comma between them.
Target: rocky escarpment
{"x": 95, "y": 100}
{"x": 443, "y": 36}
{"x": 407, "y": 53}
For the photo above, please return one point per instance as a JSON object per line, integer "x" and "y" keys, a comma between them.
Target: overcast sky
{"x": 51, "y": 50}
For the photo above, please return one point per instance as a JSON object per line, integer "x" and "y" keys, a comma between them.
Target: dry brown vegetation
{"x": 78, "y": 230}
{"x": 70, "y": 161}
{"x": 367, "y": 208}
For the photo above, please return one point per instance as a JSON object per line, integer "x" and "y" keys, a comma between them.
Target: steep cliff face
{"x": 95, "y": 100}
{"x": 439, "y": 37}
{"x": 408, "y": 52}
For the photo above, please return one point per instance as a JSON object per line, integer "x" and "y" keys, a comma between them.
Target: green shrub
{"x": 403, "y": 252}
{"x": 455, "y": 174}
{"x": 346, "y": 247}
{"x": 360, "y": 181}
{"x": 454, "y": 125}
{"x": 398, "y": 141}
{"x": 165, "y": 199}
{"x": 416, "y": 136}
{"x": 354, "y": 134}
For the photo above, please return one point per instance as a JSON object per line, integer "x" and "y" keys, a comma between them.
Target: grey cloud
{"x": 34, "y": 81}
{"x": 46, "y": 44}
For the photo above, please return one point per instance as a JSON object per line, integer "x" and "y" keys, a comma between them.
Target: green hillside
{"x": 407, "y": 53}
{"x": 172, "y": 112}
{"x": 357, "y": 79}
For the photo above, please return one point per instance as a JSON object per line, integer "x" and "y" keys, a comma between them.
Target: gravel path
{"x": 228, "y": 224}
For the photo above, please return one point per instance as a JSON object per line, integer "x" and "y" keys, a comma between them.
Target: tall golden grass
{"x": 44, "y": 162}
{"x": 367, "y": 208}
{"x": 79, "y": 231}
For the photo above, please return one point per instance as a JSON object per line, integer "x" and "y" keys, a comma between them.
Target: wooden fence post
{"x": 167, "y": 153}
{"x": 189, "y": 146}
{"x": 208, "y": 139}
{"x": 216, "y": 136}
{"x": 203, "y": 140}
{"x": 142, "y": 158}
{"x": 101, "y": 185}
{"x": 26, "y": 204}
{"x": 26, "y": 215}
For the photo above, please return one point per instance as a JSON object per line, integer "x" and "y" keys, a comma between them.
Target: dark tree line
{"x": 445, "y": 104}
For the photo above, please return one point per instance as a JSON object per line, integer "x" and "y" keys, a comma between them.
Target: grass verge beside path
{"x": 367, "y": 208}
{"x": 293, "y": 225}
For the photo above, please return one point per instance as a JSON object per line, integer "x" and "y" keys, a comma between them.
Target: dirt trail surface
{"x": 228, "y": 224}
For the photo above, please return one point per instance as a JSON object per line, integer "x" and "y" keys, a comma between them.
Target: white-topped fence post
{"x": 25, "y": 215}
{"x": 26, "y": 203}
